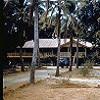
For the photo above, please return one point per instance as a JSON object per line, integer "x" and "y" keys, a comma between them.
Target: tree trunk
{"x": 36, "y": 44}
{"x": 77, "y": 49}
{"x": 58, "y": 57}
{"x": 58, "y": 52}
{"x": 3, "y": 48}
{"x": 21, "y": 58}
{"x": 38, "y": 56}
{"x": 71, "y": 42}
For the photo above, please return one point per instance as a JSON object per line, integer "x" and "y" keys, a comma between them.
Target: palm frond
{"x": 65, "y": 10}
{"x": 56, "y": 26}
{"x": 44, "y": 16}
{"x": 75, "y": 25}
{"x": 63, "y": 25}
{"x": 50, "y": 19}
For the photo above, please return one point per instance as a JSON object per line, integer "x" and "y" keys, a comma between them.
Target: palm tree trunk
{"x": 36, "y": 44}
{"x": 21, "y": 59}
{"x": 58, "y": 57}
{"x": 71, "y": 42}
{"x": 38, "y": 56}
{"x": 77, "y": 49}
{"x": 58, "y": 52}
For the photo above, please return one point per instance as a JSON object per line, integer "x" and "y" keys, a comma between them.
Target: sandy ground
{"x": 52, "y": 89}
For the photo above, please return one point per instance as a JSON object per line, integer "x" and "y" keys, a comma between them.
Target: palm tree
{"x": 20, "y": 39}
{"x": 77, "y": 49}
{"x": 66, "y": 7}
{"x": 36, "y": 41}
{"x": 58, "y": 52}
{"x": 15, "y": 18}
{"x": 35, "y": 57}
{"x": 71, "y": 43}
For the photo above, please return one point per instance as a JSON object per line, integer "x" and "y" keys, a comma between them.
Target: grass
{"x": 80, "y": 73}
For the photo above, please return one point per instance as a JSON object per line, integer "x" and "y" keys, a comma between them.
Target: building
{"x": 48, "y": 48}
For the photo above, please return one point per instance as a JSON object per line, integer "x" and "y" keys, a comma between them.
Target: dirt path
{"x": 55, "y": 88}
{"x": 51, "y": 89}
{"x": 24, "y": 76}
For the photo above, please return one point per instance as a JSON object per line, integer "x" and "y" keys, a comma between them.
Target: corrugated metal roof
{"x": 53, "y": 43}
{"x": 87, "y": 44}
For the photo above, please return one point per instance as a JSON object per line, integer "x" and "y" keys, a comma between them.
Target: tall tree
{"x": 20, "y": 40}
{"x": 71, "y": 45}
{"x": 67, "y": 7}
{"x": 59, "y": 35}
{"x": 89, "y": 17}
{"x": 15, "y": 18}
{"x": 77, "y": 55}
{"x": 34, "y": 8}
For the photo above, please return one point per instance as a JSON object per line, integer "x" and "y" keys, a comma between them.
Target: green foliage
{"x": 90, "y": 21}
{"x": 93, "y": 57}
{"x": 88, "y": 64}
{"x": 71, "y": 7}
{"x": 15, "y": 22}
{"x": 67, "y": 7}
{"x": 86, "y": 68}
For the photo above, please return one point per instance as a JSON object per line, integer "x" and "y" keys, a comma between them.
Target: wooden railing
{"x": 29, "y": 54}
{"x": 65, "y": 54}
{"x": 68, "y": 54}
{"x": 16, "y": 54}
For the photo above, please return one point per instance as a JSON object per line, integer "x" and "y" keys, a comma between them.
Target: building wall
{"x": 44, "y": 53}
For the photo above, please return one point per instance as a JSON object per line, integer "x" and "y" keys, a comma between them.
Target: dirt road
{"x": 44, "y": 73}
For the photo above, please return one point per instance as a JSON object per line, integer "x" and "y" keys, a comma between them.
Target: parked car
{"x": 63, "y": 61}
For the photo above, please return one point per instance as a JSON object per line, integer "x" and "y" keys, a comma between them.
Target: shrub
{"x": 89, "y": 64}
{"x": 86, "y": 68}
{"x": 84, "y": 71}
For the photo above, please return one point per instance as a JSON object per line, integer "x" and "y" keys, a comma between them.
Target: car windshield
{"x": 62, "y": 58}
